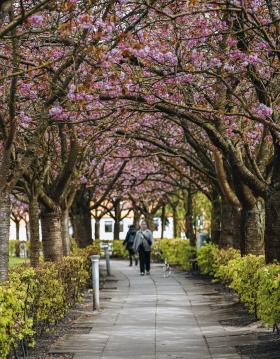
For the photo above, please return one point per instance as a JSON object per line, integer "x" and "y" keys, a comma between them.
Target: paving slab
{"x": 153, "y": 317}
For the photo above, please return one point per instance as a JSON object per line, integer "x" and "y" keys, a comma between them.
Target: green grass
{"x": 14, "y": 261}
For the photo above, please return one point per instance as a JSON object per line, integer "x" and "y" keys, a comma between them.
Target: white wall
{"x": 168, "y": 233}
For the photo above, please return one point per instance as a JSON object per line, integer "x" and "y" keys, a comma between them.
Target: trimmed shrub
{"x": 176, "y": 251}
{"x": 256, "y": 284}
{"x": 268, "y": 296}
{"x": 35, "y": 299}
{"x": 119, "y": 250}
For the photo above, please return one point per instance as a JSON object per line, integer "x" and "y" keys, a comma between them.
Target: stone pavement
{"x": 153, "y": 317}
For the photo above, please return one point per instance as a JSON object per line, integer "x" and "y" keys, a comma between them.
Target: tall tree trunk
{"x": 27, "y": 231}
{"x": 136, "y": 217}
{"x": 117, "y": 218}
{"x": 272, "y": 227}
{"x": 17, "y": 230}
{"x": 175, "y": 221}
{"x": 230, "y": 226}
{"x": 82, "y": 228}
{"x": 97, "y": 229}
{"x": 51, "y": 235}
{"x": 149, "y": 218}
{"x": 252, "y": 229}
{"x": 81, "y": 221}
{"x": 216, "y": 218}
{"x": 4, "y": 234}
{"x": 189, "y": 222}
{"x": 34, "y": 232}
{"x": 163, "y": 219}
{"x": 272, "y": 210}
{"x": 65, "y": 232}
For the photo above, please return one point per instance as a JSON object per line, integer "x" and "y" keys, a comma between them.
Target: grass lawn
{"x": 13, "y": 261}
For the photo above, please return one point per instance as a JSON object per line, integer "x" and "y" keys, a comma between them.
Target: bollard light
{"x": 95, "y": 281}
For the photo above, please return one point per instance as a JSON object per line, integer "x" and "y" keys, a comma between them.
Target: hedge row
{"x": 35, "y": 299}
{"x": 176, "y": 251}
{"x": 256, "y": 284}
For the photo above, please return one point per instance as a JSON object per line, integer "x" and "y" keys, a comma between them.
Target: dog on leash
{"x": 166, "y": 269}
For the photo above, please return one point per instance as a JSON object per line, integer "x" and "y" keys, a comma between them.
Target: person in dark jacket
{"x": 143, "y": 245}
{"x": 129, "y": 243}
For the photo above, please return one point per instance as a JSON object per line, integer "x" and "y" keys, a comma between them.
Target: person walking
{"x": 129, "y": 242}
{"x": 143, "y": 245}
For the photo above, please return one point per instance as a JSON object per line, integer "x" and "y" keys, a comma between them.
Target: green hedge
{"x": 176, "y": 251}
{"x": 32, "y": 300}
{"x": 256, "y": 284}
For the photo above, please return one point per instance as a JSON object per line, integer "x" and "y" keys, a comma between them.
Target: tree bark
{"x": 252, "y": 229}
{"x": 17, "y": 229}
{"x": 81, "y": 221}
{"x": 4, "y": 234}
{"x": 27, "y": 230}
{"x": 272, "y": 227}
{"x": 216, "y": 218}
{"x": 65, "y": 232}
{"x": 149, "y": 218}
{"x": 136, "y": 217}
{"x": 117, "y": 218}
{"x": 189, "y": 228}
{"x": 51, "y": 236}
{"x": 230, "y": 226}
{"x": 175, "y": 221}
{"x": 272, "y": 211}
{"x": 97, "y": 229}
{"x": 34, "y": 227}
{"x": 163, "y": 219}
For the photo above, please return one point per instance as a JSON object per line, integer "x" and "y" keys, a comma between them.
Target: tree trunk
{"x": 4, "y": 234}
{"x": 272, "y": 211}
{"x": 230, "y": 226}
{"x": 252, "y": 229}
{"x": 149, "y": 218}
{"x": 216, "y": 218}
{"x": 27, "y": 231}
{"x": 51, "y": 236}
{"x": 189, "y": 223}
{"x": 65, "y": 232}
{"x": 97, "y": 229}
{"x": 17, "y": 230}
{"x": 163, "y": 219}
{"x": 272, "y": 227}
{"x": 136, "y": 218}
{"x": 117, "y": 218}
{"x": 82, "y": 228}
{"x": 34, "y": 232}
{"x": 175, "y": 221}
{"x": 81, "y": 221}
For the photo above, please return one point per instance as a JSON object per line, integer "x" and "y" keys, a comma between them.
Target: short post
{"x": 107, "y": 257}
{"x": 95, "y": 281}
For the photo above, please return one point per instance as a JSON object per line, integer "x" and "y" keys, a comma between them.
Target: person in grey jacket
{"x": 143, "y": 245}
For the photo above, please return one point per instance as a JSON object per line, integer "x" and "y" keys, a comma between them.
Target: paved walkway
{"x": 153, "y": 317}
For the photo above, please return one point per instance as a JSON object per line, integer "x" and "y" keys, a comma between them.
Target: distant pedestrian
{"x": 129, "y": 243}
{"x": 143, "y": 245}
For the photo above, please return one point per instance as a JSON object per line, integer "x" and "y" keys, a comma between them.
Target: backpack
{"x": 130, "y": 240}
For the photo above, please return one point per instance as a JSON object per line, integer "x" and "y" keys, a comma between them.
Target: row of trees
{"x": 140, "y": 100}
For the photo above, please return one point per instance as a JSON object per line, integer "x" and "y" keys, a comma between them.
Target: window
{"x": 108, "y": 226}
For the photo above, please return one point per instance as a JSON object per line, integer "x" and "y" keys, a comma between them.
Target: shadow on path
{"x": 153, "y": 317}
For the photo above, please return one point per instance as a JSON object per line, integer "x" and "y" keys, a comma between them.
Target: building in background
{"x": 106, "y": 228}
